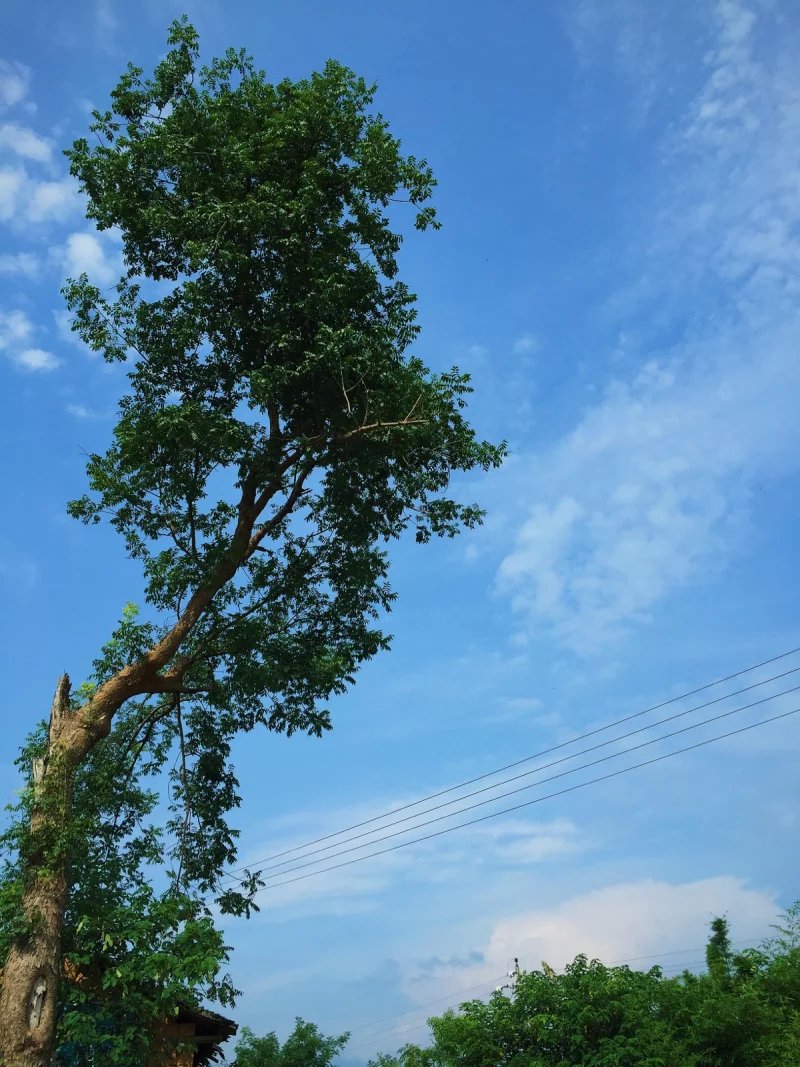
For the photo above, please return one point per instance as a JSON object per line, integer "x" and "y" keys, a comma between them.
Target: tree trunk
{"x": 29, "y": 998}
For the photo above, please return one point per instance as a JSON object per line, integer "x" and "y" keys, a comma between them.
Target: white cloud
{"x": 639, "y": 922}
{"x": 15, "y": 328}
{"x": 36, "y": 359}
{"x": 526, "y": 710}
{"x": 635, "y": 41}
{"x": 526, "y": 344}
{"x": 52, "y": 200}
{"x": 80, "y": 411}
{"x": 86, "y": 253}
{"x": 725, "y": 104}
{"x": 22, "y": 263}
{"x": 517, "y": 842}
{"x": 652, "y": 487}
{"x": 63, "y": 321}
{"x": 14, "y": 83}
{"x": 23, "y": 141}
{"x": 12, "y": 181}
{"x": 24, "y": 199}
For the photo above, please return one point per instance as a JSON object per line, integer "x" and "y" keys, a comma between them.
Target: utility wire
{"x": 536, "y": 770}
{"x": 524, "y": 788}
{"x": 517, "y": 763}
{"x": 538, "y": 800}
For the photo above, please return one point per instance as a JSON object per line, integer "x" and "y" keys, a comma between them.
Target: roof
{"x": 211, "y": 1028}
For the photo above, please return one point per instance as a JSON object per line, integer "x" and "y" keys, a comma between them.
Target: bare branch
{"x": 346, "y": 395}
{"x": 407, "y": 421}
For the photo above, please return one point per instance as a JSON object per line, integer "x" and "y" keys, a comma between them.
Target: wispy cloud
{"x": 25, "y": 199}
{"x": 18, "y": 570}
{"x": 24, "y": 264}
{"x": 52, "y": 200}
{"x": 80, "y": 411}
{"x": 107, "y": 22}
{"x": 652, "y": 486}
{"x": 25, "y": 142}
{"x": 12, "y": 182}
{"x": 16, "y": 331}
{"x": 14, "y": 83}
{"x": 36, "y": 360}
{"x": 15, "y": 328}
{"x": 525, "y": 344}
{"x": 634, "y": 41}
{"x": 638, "y": 921}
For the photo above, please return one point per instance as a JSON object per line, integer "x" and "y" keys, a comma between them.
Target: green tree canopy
{"x": 277, "y": 433}
{"x": 304, "y": 1047}
{"x": 744, "y": 1012}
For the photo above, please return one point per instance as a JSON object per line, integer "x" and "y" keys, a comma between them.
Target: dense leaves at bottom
{"x": 744, "y": 1012}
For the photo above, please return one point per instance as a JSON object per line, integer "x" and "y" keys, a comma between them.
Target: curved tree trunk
{"x": 29, "y": 983}
{"x": 30, "y": 979}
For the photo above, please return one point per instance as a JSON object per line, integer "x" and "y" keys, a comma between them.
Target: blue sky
{"x": 619, "y": 269}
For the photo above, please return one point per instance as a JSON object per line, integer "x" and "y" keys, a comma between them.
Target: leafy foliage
{"x": 136, "y": 947}
{"x": 744, "y": 1012}
{"x": 277, "y": 433}
{"x": 305, "y": 1047}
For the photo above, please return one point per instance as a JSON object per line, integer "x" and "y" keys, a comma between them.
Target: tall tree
{"x": 277, "y": 433}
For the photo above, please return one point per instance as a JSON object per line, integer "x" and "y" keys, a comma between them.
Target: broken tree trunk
{"x": 30, "y": 979}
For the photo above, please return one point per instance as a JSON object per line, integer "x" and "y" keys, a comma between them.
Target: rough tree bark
{"x": 30, "y": 979}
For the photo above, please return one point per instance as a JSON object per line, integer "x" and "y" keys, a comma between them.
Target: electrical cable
{"x": 538, "y": 800}
{"x": 521, "y": 789}
{"x": 536, "y": 770}
{"x": 517, "y": 763}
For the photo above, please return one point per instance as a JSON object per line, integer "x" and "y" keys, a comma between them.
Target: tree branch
{"x": 186, "y": 798}
{"x": 285, "y": 509}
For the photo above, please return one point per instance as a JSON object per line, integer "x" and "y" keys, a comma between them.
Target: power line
{"x": 521, "y": 789}
{"x": 678, "y": 952}
{"x": 538, "y": 800}
{"x": 536, "y": 770}
{"x": 517, "y": 763}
